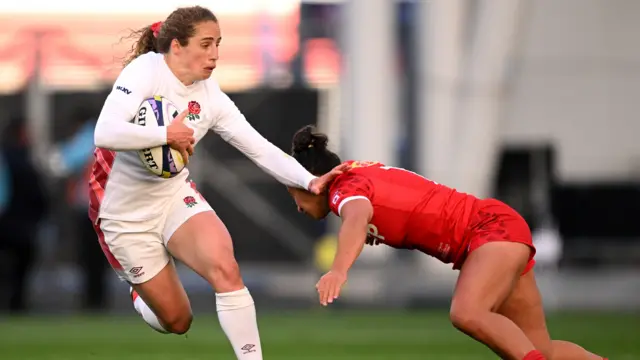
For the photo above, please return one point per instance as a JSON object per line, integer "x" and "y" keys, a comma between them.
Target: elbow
{"x": 100, "y": 140}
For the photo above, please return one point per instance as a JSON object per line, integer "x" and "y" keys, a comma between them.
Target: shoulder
{"x": 137, "y": 81}
{"x": 349, "y": 186}
{"x": 147, "y": 63}
{"x": 221, "y": 104}
{"x": 214, "y": 92}
{"x": 352, "y": 181}
{"x": 141, "y": 73}
{"x": 359, "y": 179}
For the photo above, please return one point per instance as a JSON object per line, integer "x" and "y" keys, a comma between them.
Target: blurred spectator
{"x": 72, "y": 159}
{"x": 26, "y": 205}
{"x": 72, "y": 155}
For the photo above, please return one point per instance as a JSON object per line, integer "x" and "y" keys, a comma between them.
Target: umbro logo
{"x": 248, "y": 348}
{"x": 136, "y": 271}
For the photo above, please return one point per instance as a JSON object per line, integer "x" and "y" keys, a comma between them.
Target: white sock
{"x": 237, "y": 316}
{"x": 147, "y": 315}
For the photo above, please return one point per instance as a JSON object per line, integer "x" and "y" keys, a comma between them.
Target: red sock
{"x": 534, "y": 355}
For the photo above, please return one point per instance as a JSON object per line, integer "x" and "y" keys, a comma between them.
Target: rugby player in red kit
{"x": 496, "y": 300}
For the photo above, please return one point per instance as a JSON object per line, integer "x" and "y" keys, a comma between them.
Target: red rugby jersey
{"x": 409, "y": 210}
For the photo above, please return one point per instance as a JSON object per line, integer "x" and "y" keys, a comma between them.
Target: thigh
{"x": 185, "y": 204}
{"x": 134, "y": 249}
{"x": 136, "y": 252}
{"x": 165, "y": 295}
{"x": 497, "y": 222}
{"x": 488, "y": 275}
{"x": 524, "y": 307}
{"x": 204, "y": 245}
{"x": 196, "y": 236}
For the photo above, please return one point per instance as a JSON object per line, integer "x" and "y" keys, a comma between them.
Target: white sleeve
{"x": 232, "y": 126}
{"x": 114, "y": 130}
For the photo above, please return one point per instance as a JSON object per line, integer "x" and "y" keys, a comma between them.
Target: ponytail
{"x": 309, "y": 148}
{"x": 146, "y": 42}
{"x": 180, "y": 25}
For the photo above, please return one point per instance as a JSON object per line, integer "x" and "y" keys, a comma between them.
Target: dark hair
{"x": 309, "y": 147}
{"x": 179, "y": 25}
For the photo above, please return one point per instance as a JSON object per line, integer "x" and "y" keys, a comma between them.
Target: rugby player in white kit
{"x": 142, "y": 220}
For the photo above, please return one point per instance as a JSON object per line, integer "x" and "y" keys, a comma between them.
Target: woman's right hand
{"x": 180, "y": 137}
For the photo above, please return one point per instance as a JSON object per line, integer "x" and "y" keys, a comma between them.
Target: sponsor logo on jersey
{"x": 123, "y": 89}
{"x": 373, "y": 235}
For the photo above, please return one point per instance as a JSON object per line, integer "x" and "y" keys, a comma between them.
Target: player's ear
{"x": 175, "y": 46}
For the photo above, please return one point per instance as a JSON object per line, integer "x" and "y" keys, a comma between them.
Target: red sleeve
{"x": 349, "y": 187}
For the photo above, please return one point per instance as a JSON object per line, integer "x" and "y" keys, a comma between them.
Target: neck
{"x": 178, "y": 71}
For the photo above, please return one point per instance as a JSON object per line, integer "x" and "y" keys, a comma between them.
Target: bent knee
{"x": 224, "y": 275}
{"x": 179, "y": 323}
{"x": 466, "y": 319}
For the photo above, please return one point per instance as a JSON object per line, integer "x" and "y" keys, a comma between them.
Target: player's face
{"x": 314, "y": 206}
{"x": 201, "y": 54}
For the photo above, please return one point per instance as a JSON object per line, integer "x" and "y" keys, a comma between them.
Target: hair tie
{"x": 156, "y": 28}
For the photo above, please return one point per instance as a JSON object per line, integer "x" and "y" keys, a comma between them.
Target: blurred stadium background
{"x": 534, "y": 102}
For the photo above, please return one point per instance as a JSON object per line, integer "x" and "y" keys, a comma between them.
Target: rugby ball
{"x": 162, "y": 161}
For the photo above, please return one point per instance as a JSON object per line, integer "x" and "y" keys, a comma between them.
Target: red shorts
{"x": 496, "y": 221}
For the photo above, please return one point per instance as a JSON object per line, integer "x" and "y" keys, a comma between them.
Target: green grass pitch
{"x": 317, "y": 335}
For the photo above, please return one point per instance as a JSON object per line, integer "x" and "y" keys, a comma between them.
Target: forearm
{"x": 234, "y": 129}
{"x": 351, "y": 240}
{"x": 269, "y": 157}
{"x": 284, "y": 168}
{"x": 116, "y": 134}
{"x": 114, "y": 130}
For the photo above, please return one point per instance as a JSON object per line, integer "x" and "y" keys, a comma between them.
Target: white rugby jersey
{"x": 121, "y": 187}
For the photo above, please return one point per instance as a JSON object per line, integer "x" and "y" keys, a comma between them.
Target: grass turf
{"x": 336, "y": 335}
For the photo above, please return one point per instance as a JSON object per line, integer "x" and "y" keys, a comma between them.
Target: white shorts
{"x": 137, "y": 250}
